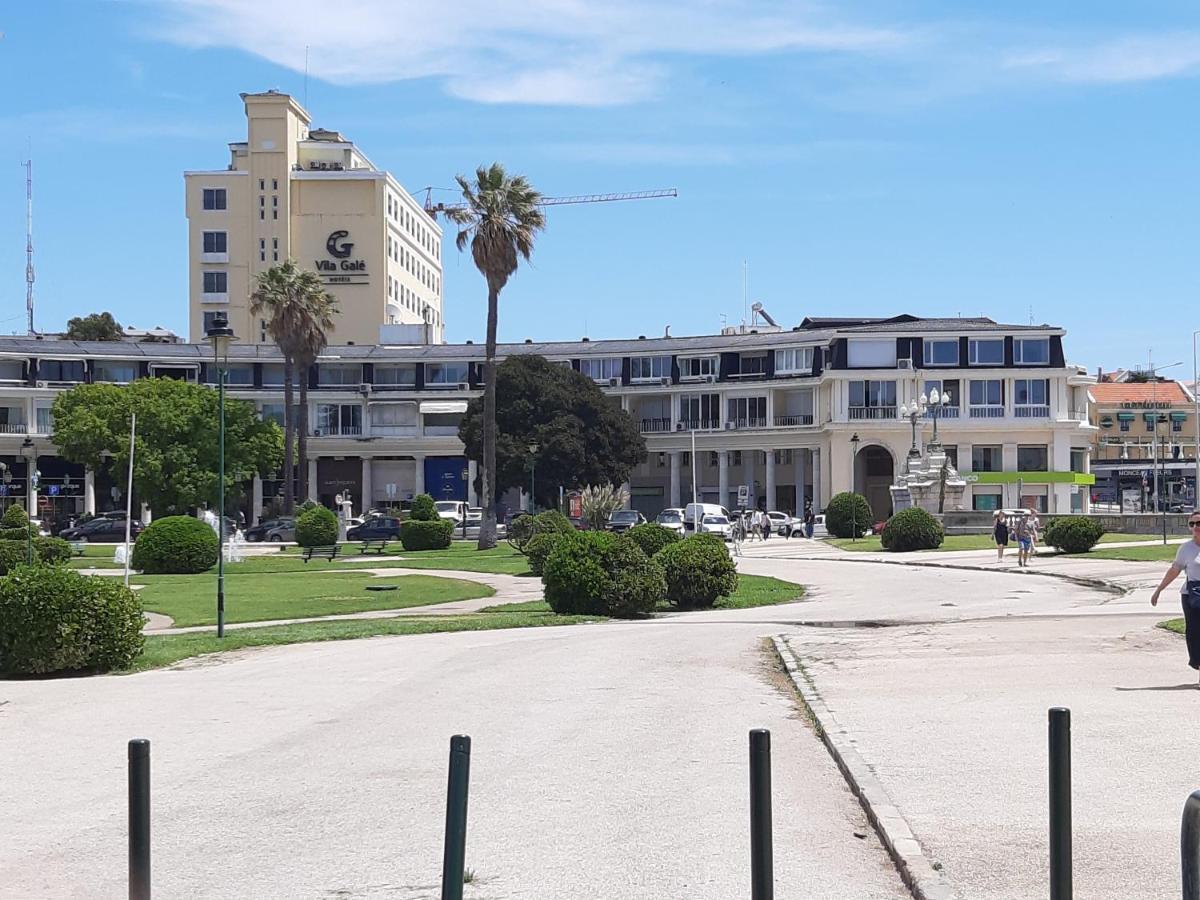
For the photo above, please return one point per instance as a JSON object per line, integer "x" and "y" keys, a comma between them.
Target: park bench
{"x": 324, "y": 552}
{"x": 373, "y": 546}
{"x": 78, "y": 548}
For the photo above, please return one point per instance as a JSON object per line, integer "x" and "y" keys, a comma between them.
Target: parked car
{"x": 718, "y": 525}
{"x": 818, "y": 527}
{"x": 671, "y": 518}
{"x": 697, "y": 511}
{"x": 375, "y": 528}
{"x": 578, "y": 523}
{"x": 780, "y": 522}
{"x": 454, "y": 510}
{"x": 273, "y": 530}
{"x": 624, "y": 519}
{"x": 102, "y": 531}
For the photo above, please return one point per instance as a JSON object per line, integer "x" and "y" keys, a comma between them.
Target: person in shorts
{"x": 1024, "y": 535}
{"x": 1187, "y": 562}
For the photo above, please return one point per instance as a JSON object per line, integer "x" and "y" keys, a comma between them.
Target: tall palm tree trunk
{"x": 289, "y": 435}
{"x": 302, "y": 431}
{"x": 487, "y": 527}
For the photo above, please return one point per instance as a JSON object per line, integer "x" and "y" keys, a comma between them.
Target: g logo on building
{"x": 336, "y": 250}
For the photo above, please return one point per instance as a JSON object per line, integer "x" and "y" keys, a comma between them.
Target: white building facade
{"x": 776, "y": 412}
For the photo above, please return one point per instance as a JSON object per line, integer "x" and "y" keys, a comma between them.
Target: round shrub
{"x": 846, "y": 511}
{"x": 1073, "y": 534}
{"x": 651, "y": 538}
{"x": 18, "y": 534}
{"x": 53, "y": 619}
{"x": 14, "y": 517}
{"x": 912, "y": 529}
{"x": 539, "y": 548}
{"x": 423, "y": 509}
{"x": 51, "y": 550}
{"x": 316, "y": 527}
{"x": 12, "y": 554}
{"x": 525, "y": 528}
{"x": 698, "y": 570}
{"x": 420, "y": 534}
{"x": 601, "y": 574}
{"x": 175, "y": 545}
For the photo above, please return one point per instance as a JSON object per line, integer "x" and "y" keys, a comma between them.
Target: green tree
{"x": 500, "y": 219}
{"x": 583, "y": 436}
{"x": 175, "y": 459}
{"x": 299, "y": 312}
{"x": 96, "y": 327}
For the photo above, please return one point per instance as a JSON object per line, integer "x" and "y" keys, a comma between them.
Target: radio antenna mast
{"x": 29, "y": 243}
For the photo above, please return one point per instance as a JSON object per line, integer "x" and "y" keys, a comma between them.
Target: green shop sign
{"x": 1030, "y": 477}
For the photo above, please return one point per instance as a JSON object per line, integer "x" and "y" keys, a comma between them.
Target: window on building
{"x": 445, "y": 374}
{"x": 941, "y": 352}
{"x": 60, "y": 370}
{"x": 275, "y": 201}
{"x": 1031, "y": 351}
{"x": 1078, "y": 459}
{"x": 12, "y": 370}
{"x": 240, "y": 375}
{"x": 986, "y": 392}
{"x": 1031, "y": 391}
{"x": 952, "y": 455}
{"x": 274, "y": 184}
{"x": 339, "y": 418}
{"x": 262, "y": 249}
{"x": 1124, "y": 422}
{"x": 393, "y": 415}
{"x": 272, "y": 412}
{"x": 794, "y": 361}
{"x": 115, "y": 372}
{"x": 700, "y": 410}
{"x": 215, "y": 242}
{"x": 985, "y": 352}
{"x": 872, "y": 394}
{"x": 871, "y": 354}
{"x": 752, "y": 364}
{"x": 601, "y": 369}
{"x": 262, "y": 201}
{"x": 274, "y": 214}
{"x": 216, "y": 282}
{"x": 783, "y": 457}
{"x": 273, "y": 375}
{"x": 987, "y": 458}
{"x": 207, "y": 321}
{"x": 331, "y": 375}
{"x": 985, "y": 499}
{"x": 1032, "y": 458}
{"x": 275, "y": 249}
{"x": 747, "y": 412}
{"x": 44, "y": 419}
{"x": 649, "y": 368}
{"x": 262, "y": 184}
{"x": 944, "y": 387}
{"x": 1177, "y": 422}
{"x": 214, "y": 198}
{"x": 699, "y": 366}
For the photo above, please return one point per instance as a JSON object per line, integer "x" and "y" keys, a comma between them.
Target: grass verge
{"x": 1155, "y": 553}
{"x": 1175, "y": 625}
{"x": 164, "y": 650}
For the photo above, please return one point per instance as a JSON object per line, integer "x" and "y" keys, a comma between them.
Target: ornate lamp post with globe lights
{"x": 913, "y": 413}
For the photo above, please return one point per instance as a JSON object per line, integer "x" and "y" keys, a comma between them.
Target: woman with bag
{"x": 1187, "y": 561}
{"x": 1000, "y": 535}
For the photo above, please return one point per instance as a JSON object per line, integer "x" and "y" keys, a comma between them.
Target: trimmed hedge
{"x": 845, "y": 512}
{"x": 912, "y": 529}
{"x": 14, "y": 517}
{"x": 18, "y": 534}
{"x": 54, "y": 620}
{"x": 651, "y": 538}
{"x": 51, "y": 550}
{"x": 316, "y": 527}
{"x": 540, "y": 546}
{"x": 698, "y": 571}
{"x": 1073, "y": 534}
{"x": 421, "y": 534}
{"x": 12, "y": 554}
{"x": 601, "y": 574}
{"x": 175, "y": 545}
{"x": 525, "y": 528}
{"x": 423, "y": 509}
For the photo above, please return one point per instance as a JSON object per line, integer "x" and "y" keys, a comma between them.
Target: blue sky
{"x": 869, "y": 157}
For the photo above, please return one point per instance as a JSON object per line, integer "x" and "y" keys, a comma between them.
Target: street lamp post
{"x": 913, "y": 413}
{"x": 1158, "y": 504}
{"x": 533, "y": 449}
{"x": 937, "y": 404}
{"x": 29, "y": 451}
{"x": 220, "y": 335}
{"x": 854, "y": 486}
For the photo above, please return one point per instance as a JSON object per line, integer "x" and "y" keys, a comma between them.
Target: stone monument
{"x": 921, "y": 481}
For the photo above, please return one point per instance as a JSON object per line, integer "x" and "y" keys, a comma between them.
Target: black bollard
{"x": 1061, "y": 887}
{"x": 455, "y": 857}
{"x": 762, "y": 867}
{"x": 139, "y": 819}
{"x": 1189, "y": 847}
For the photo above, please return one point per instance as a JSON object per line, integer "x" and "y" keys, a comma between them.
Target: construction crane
{"x": 434, "y": 208}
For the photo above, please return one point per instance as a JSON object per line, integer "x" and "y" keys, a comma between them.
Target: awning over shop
{"x": 1178, "y": 416}
{"x": 443, "y": 406}
{"x": 1126, "y": 417}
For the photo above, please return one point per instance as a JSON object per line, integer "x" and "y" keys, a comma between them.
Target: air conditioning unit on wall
{"x": 904, "y": 364}
{"x": 613, "y": 382}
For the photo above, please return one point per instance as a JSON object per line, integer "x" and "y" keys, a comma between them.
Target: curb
{"x": 922, "y": 879}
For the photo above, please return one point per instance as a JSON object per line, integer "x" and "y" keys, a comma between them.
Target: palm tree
{"x": 500, "y": 218}
{"x": 297, "y": 308}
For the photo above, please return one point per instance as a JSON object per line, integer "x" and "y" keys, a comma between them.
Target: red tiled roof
{"x": 1163, "y": 392}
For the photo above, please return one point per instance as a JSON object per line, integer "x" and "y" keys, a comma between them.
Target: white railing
{"x": 441, "y": 430}
{"x": 698, "y": 424}
{"x": 338, "y": 431}
{"x": 393, "y": 430}
{"x": 987, "y": 412}
{"x": 793, "y": 421}
{"x": 14, "y": 428}
{"x": 655, "y": 426}
{"x": 946, "y": 412}
{"x": 747, "y": 422}
{"x": 872, "y": 412}
{"x": 1031, "y": 411}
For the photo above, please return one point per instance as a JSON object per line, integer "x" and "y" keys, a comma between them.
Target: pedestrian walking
{"x": 1035, "y": 535}
{"x": 1187, "y": 562}
{"x": 766, "y": 525}
{"x": 810, "y": 521}
{"x": 1024, "y": 540}
{"x": 1000, "y": 535}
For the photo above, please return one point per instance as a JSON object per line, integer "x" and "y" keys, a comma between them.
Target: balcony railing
{"x": 946, "y": 412}
{"x": 872, "y": 412}
{"x": 747, "y": 422}
{"x": 698, "y": 424}
{"x": 793, "y": 421}
{"x": 1079, "y": 415}
{"x": 655, "y": 426}
{"x": 987, "y": 412}
{"x": 1031, "y": 411}
{"x": 14, "y": 428}
{"x": 393, "y": 430}
{"x": 338, "y": 431}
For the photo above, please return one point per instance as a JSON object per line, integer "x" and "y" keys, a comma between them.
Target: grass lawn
{"x": 191, "y": 599}
{"x": 752, "y": 590}
{"x": 1157, "y": 552}
{"x": 969, "y": 542}
{"x": 163, "y": 650}
{"x": 1175, "y": 625}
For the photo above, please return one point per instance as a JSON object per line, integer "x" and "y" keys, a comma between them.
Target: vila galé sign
{"x": 340, "y": 268}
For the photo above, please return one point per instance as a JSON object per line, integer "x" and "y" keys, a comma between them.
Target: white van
{"x": 704, "y": 509}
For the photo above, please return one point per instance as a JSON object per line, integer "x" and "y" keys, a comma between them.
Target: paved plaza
{"x": 610, "y": 759}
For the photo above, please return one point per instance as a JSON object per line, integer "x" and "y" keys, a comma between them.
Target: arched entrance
{"x": 874, "y": 472}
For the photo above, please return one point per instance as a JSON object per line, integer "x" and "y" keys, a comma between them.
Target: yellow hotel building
{"x": 310, "y": 194}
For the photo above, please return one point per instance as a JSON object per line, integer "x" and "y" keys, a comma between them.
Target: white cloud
{"x": 1127, "y": 59}
{"x": 569, "y": 52}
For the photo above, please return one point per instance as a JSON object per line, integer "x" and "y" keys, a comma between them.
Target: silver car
{"x": 671, "y": 519}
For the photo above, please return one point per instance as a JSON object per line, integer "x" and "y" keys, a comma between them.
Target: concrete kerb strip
{"x": 922, "y": 879}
